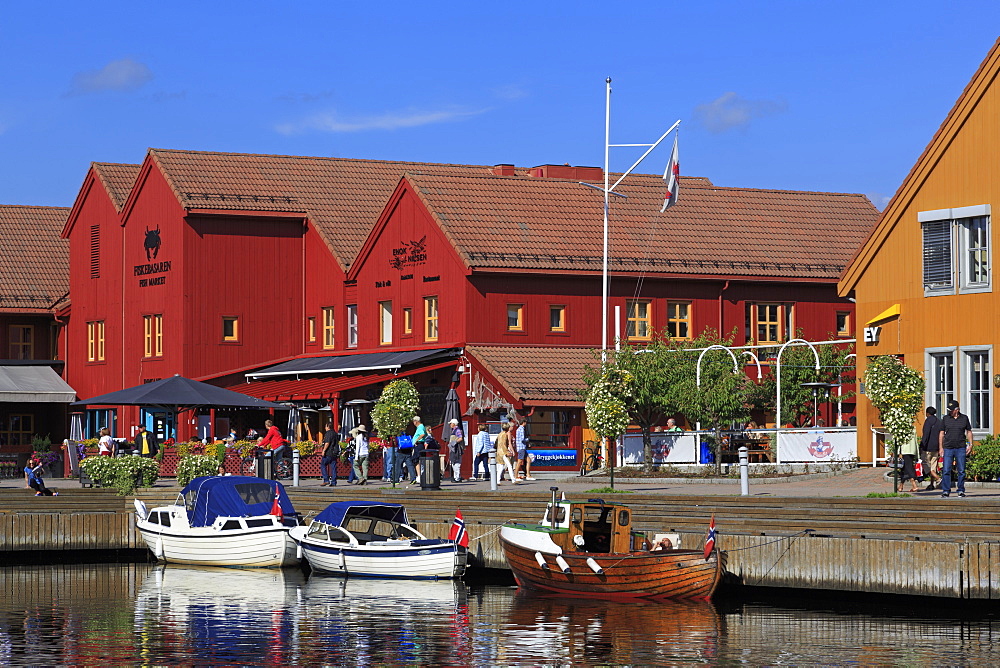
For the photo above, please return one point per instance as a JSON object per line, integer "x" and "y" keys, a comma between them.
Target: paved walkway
{"x": 851, "y": 483}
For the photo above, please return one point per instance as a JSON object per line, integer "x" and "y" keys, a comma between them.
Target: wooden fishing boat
{"x": 590, "y": 549}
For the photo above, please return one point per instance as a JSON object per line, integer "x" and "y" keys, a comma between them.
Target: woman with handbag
{"x": 909, "y": 451}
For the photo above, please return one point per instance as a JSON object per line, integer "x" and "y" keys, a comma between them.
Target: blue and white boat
{"x": 237, "y": 521}
{"x": 373, "y": 539}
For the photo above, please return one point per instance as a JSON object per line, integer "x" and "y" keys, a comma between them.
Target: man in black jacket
{"x": 929, "y": 446}
{"x": 146, "y": 443}
{"x": 331, "y": 453}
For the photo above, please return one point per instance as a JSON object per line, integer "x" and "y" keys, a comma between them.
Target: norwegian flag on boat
{"x": 710, "y": 538}
{"x": 458, "y": 534}
{"x": 672, "y": 175}
{"x": 276, "y": 506}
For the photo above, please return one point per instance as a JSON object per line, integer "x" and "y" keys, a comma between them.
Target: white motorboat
{"x": 372, "y": 539}
{"x": 238, "y": 521}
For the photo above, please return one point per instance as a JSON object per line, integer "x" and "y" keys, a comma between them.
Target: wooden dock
{"x": 928, "y": 547}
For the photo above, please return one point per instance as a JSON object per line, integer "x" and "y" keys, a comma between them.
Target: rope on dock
{"x": 776, "y": 540}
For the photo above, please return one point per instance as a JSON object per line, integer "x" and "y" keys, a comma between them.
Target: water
{"x": 114, "y": 614}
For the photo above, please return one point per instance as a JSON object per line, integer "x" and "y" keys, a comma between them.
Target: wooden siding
{"x": 959, "y": 168}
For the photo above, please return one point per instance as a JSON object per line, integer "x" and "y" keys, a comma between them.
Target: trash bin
{"x": 264, "y": 465}
{"x": 430, "y": 470}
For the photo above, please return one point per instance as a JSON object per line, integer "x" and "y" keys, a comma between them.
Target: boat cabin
{"x": 592, "y": 526}
{"x": 361, "y": 523}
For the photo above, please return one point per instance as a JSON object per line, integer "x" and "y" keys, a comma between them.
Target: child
{"x": 33, "y": 479}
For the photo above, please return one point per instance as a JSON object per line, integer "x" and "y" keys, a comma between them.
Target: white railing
{"x": 775, "y": 446}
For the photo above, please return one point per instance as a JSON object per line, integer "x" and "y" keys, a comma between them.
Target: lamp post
{"x": 777, "y": 364}
{"x": 815, "y": 388}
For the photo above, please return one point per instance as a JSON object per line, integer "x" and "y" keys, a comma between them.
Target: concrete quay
{"x": 813, "y": 531}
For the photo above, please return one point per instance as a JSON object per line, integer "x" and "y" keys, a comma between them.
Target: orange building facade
{"x": 923, "y": 281}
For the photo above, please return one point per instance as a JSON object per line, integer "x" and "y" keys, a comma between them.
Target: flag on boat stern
{"x": 710, "y": 538}
{"x": 276, "y": 506}
{"x": 458, "y": 534}
{"x": 672, "y": 175}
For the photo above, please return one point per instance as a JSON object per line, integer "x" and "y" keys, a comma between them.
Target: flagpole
{"x": 607, "y": 190}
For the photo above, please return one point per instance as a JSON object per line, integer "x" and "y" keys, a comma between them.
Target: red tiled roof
{"x": 538, "y": 376}
{"x": 34, "y": 268}
{"x": 118, "y": 180}
{"x": 343, "y": 197}
{"x": 549, "y": 224}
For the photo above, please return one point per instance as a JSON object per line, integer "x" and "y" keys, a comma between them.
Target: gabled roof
{"x": 342, "y": 197}
{"x": 942, "y": 139}
{"x": 34, "y": 268}
{"x": 538, "y": 375}
{"x": 553, "y": 225}
{"x": 117, "y": 180}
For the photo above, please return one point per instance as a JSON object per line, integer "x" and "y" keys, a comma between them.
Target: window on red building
{"x": 638, "y": 320}
{"x": 95, "y": 251}
{"x": 22, "y": 342}
{"x": 679, "y": 320}
{"x": 152, "y": 331}
{"x": 385, "y": 322}
{"x": 352, "y": 326}
{"x": 843, "y": 323}
{"x": 95, "y": 341}
{"x": 431, "y": 318}
{"x": 557, "y": 318}
{"x": 768, "y": 323}
{"x": 311, "y": 330}
{"x": 515, "y": 317}
{"x": 407, "y": 320}
{"x": 230, "y": 328}
{"x": 328, "y": 331}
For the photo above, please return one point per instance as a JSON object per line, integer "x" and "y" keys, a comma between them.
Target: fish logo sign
{"x": 152, "y": 243}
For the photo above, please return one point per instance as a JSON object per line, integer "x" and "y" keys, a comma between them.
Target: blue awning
{"x": 359, "y": 362}
{"x": 335, "y": 513}
{"x": 209, "y": 497}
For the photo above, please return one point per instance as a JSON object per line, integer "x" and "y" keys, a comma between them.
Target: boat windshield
{"x": 367, "y": 529}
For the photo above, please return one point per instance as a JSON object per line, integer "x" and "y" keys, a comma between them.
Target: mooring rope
{"x": 776, "y": 540}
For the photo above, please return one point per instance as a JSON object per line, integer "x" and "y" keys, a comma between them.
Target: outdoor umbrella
{"x": 177, "y": 392}
{"x": 452, "y": 411}
{"x": 293, "y": 423}
{"x": 348, "y": 421}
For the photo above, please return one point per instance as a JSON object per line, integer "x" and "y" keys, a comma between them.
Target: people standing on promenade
{"x": 521, "y": 442}
{"x": 105, "y": 444}
{"x": 504, "y": 453}
{"x": 419, "y": 445}
{"x": 482, "y": 446}
{"x": 360, "y": 438}
{"x": 388, "y": 460}
{"x": 929, "y": 447}
{"x": 33, "y": 479}
{"x": 954, "y": 445}
{"x": 909, "y": 451}
{"x": 146, "y": 442}
{"x": 456, "y": 447}
{"x": 331, "y": 452}
{"x": 672, "y": 425}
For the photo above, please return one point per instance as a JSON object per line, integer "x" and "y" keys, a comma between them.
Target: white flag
{"x": 672, "y": 175}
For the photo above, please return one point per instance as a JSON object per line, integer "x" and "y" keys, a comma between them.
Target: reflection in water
{"x": 141, "y": 614}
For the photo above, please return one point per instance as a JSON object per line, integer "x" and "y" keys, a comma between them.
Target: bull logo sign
{"x": 152, "y": 243}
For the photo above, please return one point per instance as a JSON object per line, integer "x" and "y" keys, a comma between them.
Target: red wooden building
{"x": 317, "y": 280}
{"x": 33, "y": 292}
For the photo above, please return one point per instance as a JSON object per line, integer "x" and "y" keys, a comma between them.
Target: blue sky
{"x": 838, "y": 96}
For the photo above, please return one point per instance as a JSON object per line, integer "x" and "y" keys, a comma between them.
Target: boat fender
{"x": 158, "y": 548}
{"x": 298, "y": 550}
{"x": 343, "y": 562}
{"x": 541, "y": 561}
{"x": 594, "y": 566}
{"x": 562, "y": 564}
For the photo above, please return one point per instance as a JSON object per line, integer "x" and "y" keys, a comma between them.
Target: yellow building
{"x": 923, "y": 281}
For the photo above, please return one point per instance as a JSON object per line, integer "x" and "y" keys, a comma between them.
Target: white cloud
{"x": 879, "y": 200}
{"x": 730, "y": 111}
{"x": 331, "y": 122}
{"x": 125, "y": 74}
{"x": 509, "y": 92}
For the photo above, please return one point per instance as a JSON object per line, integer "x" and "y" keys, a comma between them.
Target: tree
{"x": 722, "y": 398}
{"x": 637, "y": 380}
{"x": 798, "y": 365}
{"x": 395, "y": 408}
{"x": 897, "y": 392}
{"x": 607, "y": 413}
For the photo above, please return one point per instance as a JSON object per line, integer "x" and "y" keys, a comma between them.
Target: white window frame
{"x": 930, "y": 391}
{"x": 966, "y": 391}
{"x": 352, "y": 325}
{"x": 959, "y": 222}
{"x": 385, "y": 322}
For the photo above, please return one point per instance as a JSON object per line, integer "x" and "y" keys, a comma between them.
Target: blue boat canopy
{"x": 209, "y": 497}
{"x": 335, "y": 513}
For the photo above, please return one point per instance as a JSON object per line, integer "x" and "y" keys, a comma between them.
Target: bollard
{"x": 295, "y": 468}
{"x": 492, "y": 469}
{"x": 744, "y": 471}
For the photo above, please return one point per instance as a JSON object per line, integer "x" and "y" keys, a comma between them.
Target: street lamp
{"x": 815, "y": 388}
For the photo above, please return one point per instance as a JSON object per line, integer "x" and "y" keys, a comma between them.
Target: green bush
{"x": 193, "y": 466}
{"x": 123, "y": 474}
{"x": 984, "y": 462}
